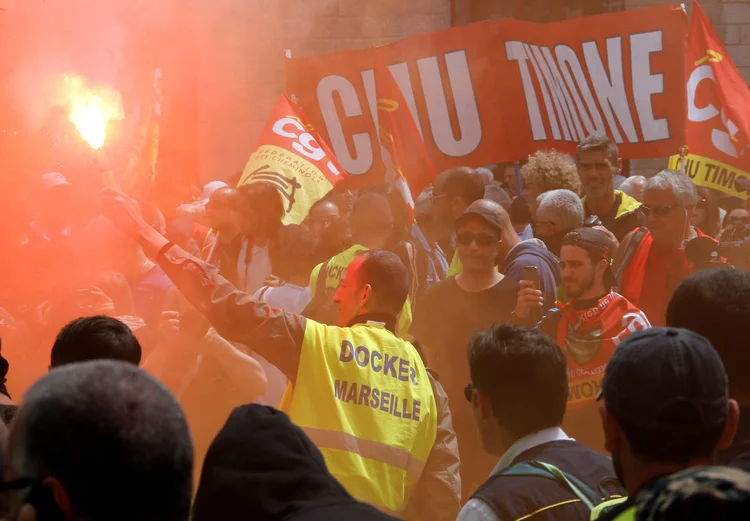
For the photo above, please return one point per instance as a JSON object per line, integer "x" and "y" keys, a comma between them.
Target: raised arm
{"x": 272, "y": 333}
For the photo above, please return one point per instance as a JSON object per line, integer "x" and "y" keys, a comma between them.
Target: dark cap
{"x": 666, "y": 380}
{"x": 596, "y": 242}
{"x": 485, "y": 214}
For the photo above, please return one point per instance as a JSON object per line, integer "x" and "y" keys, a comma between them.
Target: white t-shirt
{"x": 251, "y": 275}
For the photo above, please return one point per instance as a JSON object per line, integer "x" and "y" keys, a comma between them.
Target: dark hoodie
{"x": 532, "y": 252}
{"x": 263, "y": 467}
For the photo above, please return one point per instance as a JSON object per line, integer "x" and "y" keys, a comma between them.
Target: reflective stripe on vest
{"x": 393, "y": 456}
{"x": 364, "y": 397}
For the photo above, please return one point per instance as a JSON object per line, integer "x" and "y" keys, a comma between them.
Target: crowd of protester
{"x": 567, "y": 343}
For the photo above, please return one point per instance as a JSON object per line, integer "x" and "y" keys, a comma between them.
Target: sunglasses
{"x": 659, "y": 211}
{"x": 482, "y": 239}
{"x": 469, "y": 392}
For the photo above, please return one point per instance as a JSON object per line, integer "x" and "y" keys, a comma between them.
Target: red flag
{"x": 406, "y": 160}
{"x": 292, "y": 156}
{"x": 718, "y": 120}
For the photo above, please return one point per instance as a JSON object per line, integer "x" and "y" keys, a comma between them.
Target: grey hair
{"x": 563, "y": 207}
{"x": 114, "y": 436}
{"x": 486, "y": 175}
{"x": 680, "y": 185}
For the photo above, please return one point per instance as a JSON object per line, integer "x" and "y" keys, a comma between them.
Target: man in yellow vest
{"x": 362, "y": 394}
{"x": 371, "y": 223}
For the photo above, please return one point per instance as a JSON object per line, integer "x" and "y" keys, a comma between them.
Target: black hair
{"x": 520, "y": 212}
{"x": 388, "y": 276}
{"x": 464, "y": 183}
{"x": 95, "y": 338}
{"x": 114, "y": 436}
{"x": 715, "y": 303}
{"x": 525, "y": 375}
{"x": 265, "y": 202}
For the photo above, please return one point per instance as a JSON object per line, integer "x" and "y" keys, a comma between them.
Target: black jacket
{"x": 263, "y": 467}
{"x": 515, "y": 497}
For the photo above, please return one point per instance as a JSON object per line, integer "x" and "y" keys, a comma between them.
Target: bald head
{"x": 454, "y": 190}
{"x": 225, "y": 196}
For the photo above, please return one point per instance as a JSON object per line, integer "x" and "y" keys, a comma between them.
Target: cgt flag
{"x": 718, "y": 122}
{"x": 407, "y": 163}
{"x": 292, "y": 156}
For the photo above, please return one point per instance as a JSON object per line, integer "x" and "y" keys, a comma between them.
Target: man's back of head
{"x": 388, "y": 277}
{"x": 95, "y": 338}
{"x": 561, "y": 207}
{"x": 523, "y": 375}
{"x": 716, "y": 304}
{"x": 666, "y": 405}
{"x": 109, "y": 440}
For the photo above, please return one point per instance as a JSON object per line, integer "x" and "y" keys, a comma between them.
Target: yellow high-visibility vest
{"x": 335, "y": 273}
{"x": 364, "y": 397}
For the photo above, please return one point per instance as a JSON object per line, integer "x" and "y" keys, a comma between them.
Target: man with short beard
{"x": 588, "y": 327}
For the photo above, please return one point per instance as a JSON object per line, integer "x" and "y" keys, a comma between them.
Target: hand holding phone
{"x": 530, "y": 300}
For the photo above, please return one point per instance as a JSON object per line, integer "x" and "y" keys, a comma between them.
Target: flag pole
{"x": 517, "y": 167}
{"x": 683, "y": 160}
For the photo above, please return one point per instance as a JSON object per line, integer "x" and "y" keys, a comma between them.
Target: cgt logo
{"x": 724, "y": 138}
{"x": 303, "y": 142}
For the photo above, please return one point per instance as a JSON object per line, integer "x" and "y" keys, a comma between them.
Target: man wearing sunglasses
{"x": 589, "y": 327}
{"x": 454, "y": 309}
{"x": 651, "y": 261}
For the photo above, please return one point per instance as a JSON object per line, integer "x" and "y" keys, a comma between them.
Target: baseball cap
{"x": 596, "y": 242}
{"x": 666, "y": 380}
{"x": 209, "y": 189}
{"x": 485, "y": 214}
{"x": 53, "y": 179}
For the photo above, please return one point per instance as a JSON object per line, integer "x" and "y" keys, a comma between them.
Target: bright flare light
{"x": 91, "y": 109}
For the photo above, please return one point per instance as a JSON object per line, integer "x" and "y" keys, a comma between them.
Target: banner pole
{"x": 683, "y": 160}
{"x": 517, "y": 167}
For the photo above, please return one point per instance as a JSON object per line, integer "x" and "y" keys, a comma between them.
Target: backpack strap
{"x": 538, "y": 468}
{"x": 635, "y": 241}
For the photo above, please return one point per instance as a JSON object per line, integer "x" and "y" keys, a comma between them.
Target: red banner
{"x": 718, "y": 126}
{"x": 405, "y": 158}
{"x": 292, "y": 156}
{"x": 500, "y": 90}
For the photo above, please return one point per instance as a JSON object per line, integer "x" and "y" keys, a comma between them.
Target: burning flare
{"x": 91, "y": 109}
